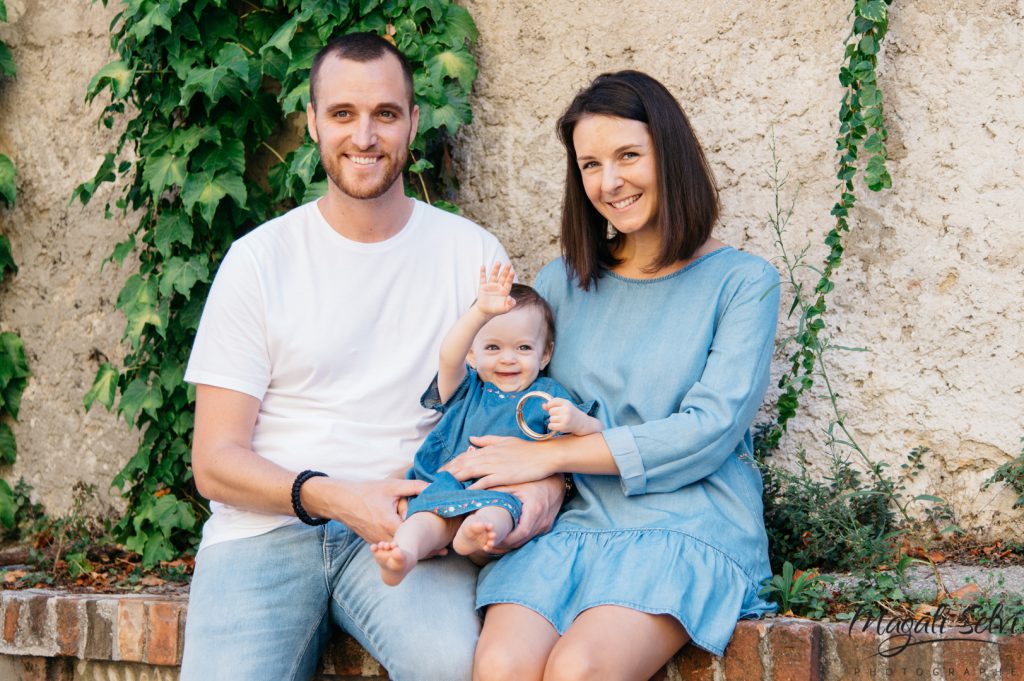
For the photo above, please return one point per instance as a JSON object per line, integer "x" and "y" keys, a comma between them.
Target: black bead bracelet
{"x": 300, "y": 512}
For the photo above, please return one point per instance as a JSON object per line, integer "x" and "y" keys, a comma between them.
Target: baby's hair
{"x": 526, "y": 296}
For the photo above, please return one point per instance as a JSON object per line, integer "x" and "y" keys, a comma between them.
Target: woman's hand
{"x": 499, "y": 460}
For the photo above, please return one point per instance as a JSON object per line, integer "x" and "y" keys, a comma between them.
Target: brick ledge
{"x": 50, "y": 634}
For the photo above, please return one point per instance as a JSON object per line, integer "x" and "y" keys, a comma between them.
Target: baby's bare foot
{"x": 394, "y": 562}
{"x": 474, "y": 536}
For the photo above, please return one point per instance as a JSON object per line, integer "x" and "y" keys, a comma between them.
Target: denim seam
{"x": 305, "y": 647}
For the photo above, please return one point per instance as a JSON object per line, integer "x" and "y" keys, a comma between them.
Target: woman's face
{"x": 616, "y": 160}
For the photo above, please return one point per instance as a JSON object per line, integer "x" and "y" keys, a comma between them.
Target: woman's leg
{"x": 614, "y": 643}
{"x": 514, "y": 645}
{"x": 420, "y": 536}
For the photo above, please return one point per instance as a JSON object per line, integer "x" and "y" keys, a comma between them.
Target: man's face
{"x": 362, "y": 125}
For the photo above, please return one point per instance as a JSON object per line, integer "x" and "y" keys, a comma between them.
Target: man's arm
{"x": 227, "y": 470}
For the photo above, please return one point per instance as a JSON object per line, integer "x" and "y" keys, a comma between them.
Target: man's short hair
{"x": 360, "y": 47}
{"x": 527, "y": 296}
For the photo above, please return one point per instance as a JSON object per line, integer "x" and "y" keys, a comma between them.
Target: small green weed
{"x": 805, "y": 594}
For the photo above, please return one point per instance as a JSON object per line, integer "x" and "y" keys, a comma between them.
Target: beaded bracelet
{"x": 300, "y": 512}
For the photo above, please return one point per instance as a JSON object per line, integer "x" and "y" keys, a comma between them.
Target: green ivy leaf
{"x": 207, "y": 190}
{"x": 138, "y": 301}
{"x": 158, "y": 14}
{"x": 305, "y": 162}
{"x": 228, "y": 156}
{"x": 13, "y": 363}
{"x": 172, "y": 228}
{"x": 181, "y": 275}
{"x": 460, "y": 27}
{"x": 117, "y": 75}
{"x": 8, "y": 448}
{"x": 123, "y": 250}
{"x": 164, "y": 170}
{"x": 3, "y": 10}
{"x": 11, "y": 396}
{"x": 7, "y": 180}
{"x": 455, "y": 64}
{"x": 223, "y": 80}
{"x": 6, "y": 260}
{"x": 7, "y": 504}
{"x": 282, "y": 38}
{"x": 84, "y": 192}
{"x": 103, "y": 387}
{"x": 7, "y": 66}
{"x": 868, "y": 45}
{"x": 139, "y": 396}
{"x": 873, "y": 9}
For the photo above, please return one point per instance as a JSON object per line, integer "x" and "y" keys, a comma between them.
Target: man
{"x": 321, "y": 330}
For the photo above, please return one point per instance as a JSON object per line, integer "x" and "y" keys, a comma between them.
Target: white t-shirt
{"x": 338, "y": 339}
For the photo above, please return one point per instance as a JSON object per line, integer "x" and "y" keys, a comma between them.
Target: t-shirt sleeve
{"x": 230, "y": 350}
{"x": 664, "y": 455}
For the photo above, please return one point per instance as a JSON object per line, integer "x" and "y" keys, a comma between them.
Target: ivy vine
{"x": 862, "y": 132}
{"x": 14, "y": 371}
{"x": 207, "y": 87}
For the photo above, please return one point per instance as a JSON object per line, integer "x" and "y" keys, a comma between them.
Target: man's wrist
{"x": 320, "y": 497}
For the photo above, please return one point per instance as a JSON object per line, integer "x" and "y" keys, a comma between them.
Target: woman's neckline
{"x": 685, "y": 268}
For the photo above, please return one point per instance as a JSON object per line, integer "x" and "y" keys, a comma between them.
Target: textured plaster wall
{"x": 60, "y": 303}
{"x": 933, "y": 275}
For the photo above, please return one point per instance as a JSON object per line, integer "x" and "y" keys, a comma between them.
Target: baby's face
{"x": 511, "y": 349}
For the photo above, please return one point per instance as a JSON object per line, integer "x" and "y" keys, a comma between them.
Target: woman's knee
{"x": 501, "y": 663}
{"x": 568, "y": 663}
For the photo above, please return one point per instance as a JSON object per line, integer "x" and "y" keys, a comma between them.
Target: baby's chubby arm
{"x": 492, "y": 299}
{"x": 565, "y": 417}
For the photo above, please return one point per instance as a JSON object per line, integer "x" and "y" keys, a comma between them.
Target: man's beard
{"x": 392, "y": 171}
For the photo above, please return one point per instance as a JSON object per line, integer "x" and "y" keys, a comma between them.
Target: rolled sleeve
{"x": 627, "y": 458}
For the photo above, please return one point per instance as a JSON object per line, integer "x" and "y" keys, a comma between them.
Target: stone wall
{"x": 932, "y": 279}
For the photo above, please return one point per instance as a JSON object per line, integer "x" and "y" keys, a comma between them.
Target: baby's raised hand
{"x": 493, "y": 297}
{"x": 563, "y": 416}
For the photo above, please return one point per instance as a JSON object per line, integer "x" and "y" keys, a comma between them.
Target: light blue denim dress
{"x": 679, "y": 366}
{"x": 475, "y": 408}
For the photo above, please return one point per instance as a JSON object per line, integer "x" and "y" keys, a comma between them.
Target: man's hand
{"x": 370, "y": 509}
{"x": 493, "y": 296}
{"x": 541, "y": 503}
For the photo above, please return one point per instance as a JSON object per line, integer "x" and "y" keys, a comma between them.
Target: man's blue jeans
{"x": 260, "y": 609}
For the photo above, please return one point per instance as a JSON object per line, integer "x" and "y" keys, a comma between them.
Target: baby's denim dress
{"x": 475, "y": 408}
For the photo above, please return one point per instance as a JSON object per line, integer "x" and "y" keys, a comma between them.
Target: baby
{"x": 506, "y": 337}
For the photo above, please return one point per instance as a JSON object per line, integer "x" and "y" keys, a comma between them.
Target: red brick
{"x": 856, "y": 654}
{"x": 11, "y": 619}
{"x": 695, "y": 664}
{"x": 69, "y": 626}
{"x": 163, "y": 633}
{"x": 796, "y": 651}
{"x": 131, "y": 629}
{"x": 1011, "y": 657}
{"x": 742, "y": 660}
{"x": 962, "y": 660}
{"x": 37, "y": 618}
{"x": 913, "y": 661}
{"x": 99, "y": 639}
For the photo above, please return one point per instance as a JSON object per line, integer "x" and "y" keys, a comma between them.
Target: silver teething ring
{"x": 527, "y": 431}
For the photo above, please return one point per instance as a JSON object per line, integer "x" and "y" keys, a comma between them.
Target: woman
{"x": 671, "y": 331}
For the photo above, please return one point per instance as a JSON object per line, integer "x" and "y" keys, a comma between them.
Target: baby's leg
{"x": 481, "y": 531}
{"x": 421, "y": 535}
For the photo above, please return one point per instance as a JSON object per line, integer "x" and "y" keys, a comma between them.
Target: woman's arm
{"x": 661, "y": 455}
{"x": 492, "y": 300}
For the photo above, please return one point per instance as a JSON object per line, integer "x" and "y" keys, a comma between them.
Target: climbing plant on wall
{"x": 862, "y": 152}
{"x": 14, "y": 371}
{"x": 205, "y": 88}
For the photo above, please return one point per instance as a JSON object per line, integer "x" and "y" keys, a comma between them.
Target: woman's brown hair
{"x": 687, "y": 193}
